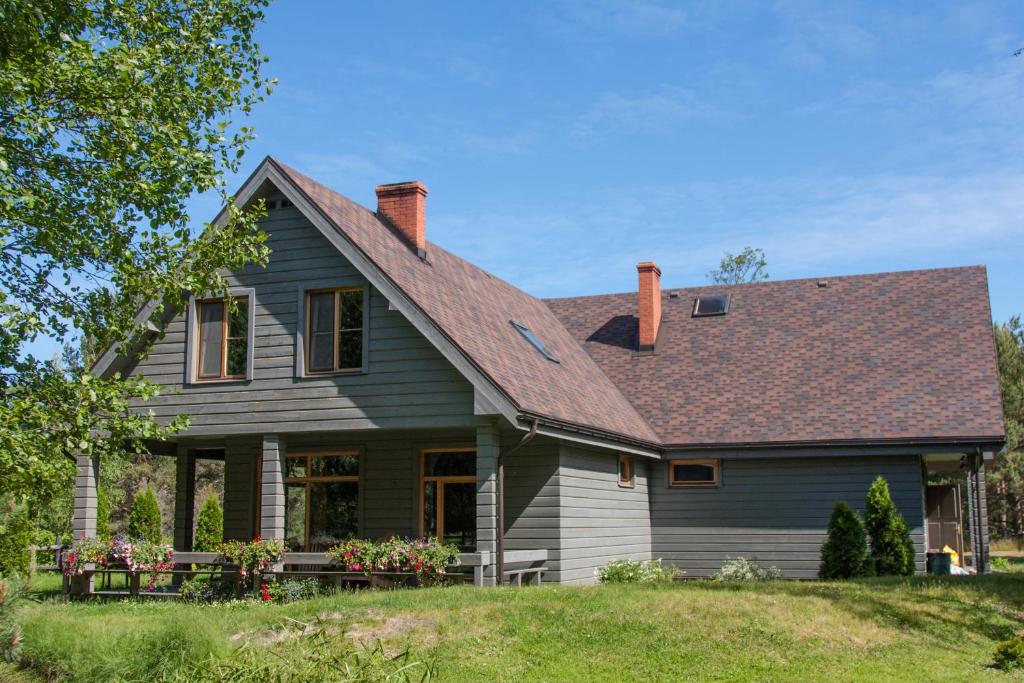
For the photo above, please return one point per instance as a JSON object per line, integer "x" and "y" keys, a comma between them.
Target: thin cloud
{"x": 585, "y": 18}
{"x": 653, "y": 112}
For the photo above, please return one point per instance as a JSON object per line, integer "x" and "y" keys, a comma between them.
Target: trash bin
{"x": 940, "y": 564}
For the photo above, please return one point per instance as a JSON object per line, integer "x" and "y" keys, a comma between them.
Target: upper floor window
{"x": 334, "y": 330}
{"x": 223, "y": 338}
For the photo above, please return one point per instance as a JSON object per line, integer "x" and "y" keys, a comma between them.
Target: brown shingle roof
{"x": 473, "y": 308}
{"x": 892, "y": 356}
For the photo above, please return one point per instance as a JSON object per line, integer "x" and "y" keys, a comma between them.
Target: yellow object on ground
{"x": 954, "y": 558}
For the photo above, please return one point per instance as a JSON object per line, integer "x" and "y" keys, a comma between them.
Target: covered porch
{"x": 956, "y": 510}
{"x": 312, "y": 490}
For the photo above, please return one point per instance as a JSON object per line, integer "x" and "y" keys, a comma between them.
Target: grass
{"x": 924, "y": 628}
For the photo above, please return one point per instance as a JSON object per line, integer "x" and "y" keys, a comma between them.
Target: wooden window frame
{"x": 630, "y": 481}
{"x": 225, "y": 328}
{"x": 336, "y": 332}
{"x": 441, "y": 480}
{"x": 309, "y": 479}
{"x": 716, "y": 463}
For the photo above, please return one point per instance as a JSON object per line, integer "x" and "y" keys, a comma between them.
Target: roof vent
{"x": 532, "y": 338}
{"x": 711, "y": 304}
{"x": 823, "y": 283}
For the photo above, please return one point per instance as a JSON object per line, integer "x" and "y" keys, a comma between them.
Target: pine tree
{"x": 144, "y": 521}
{"x": 209, "y": 526}
{"x": 844, "y": 555}
{"x": 892, "y": 551}
{"x": 102, "y": 514}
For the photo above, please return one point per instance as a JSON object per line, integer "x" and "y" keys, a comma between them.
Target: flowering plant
{"x": 251, "y": 558}
{"x": 137, "y": 556}
{"x": 422, "y": 557}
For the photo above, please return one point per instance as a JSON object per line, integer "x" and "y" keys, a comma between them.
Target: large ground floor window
{"x": 321, "y": 499}
{"x": 448, "y": 496}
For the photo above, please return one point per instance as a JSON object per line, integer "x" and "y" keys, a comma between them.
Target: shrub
{"x": 632, "y": 571}
{"x": 742, "y": 569}
{"x": 892, "y": 551}
{"x": 292, "y": 590}
{"x": 844, "y": 553}
{"x": 144, "y": 520}
{"x": 206, "y": 589}
{"x": 15, "y": 538}
{"x": 1000, "y": 564}
{"x": 12, "y": 594}
{"x": 209, "y": 526}
{"x": 1010, "y": 653}
{"x": 102, "y": 514}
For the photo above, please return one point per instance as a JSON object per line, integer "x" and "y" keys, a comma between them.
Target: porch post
{"x": 272, "y": 488}
{"x": 84, "y": 522}
{"x": 184, "y": 499}
{"x": 487, "y": 444}
{"x": 981, "y": 515}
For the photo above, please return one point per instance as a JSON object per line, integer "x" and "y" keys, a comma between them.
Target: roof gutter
{"x": 588, "y": 435}
{"x": 969, "y": 441}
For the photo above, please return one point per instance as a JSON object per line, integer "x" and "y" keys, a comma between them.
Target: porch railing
{"x": 520, "y": 566}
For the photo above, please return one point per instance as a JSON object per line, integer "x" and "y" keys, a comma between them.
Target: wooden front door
{"x": 943, "y": 513}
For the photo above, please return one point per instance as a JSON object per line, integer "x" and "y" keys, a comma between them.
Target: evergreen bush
{"x": 144, "y": 520}
{"x": 209, "y": 526}
{"x": 12, "y": 594}
{"x": 15, "y": 538}
{"x": 102, "y": 514}
{"x": 892, "y": 551}
{"x": 844, "y": 555}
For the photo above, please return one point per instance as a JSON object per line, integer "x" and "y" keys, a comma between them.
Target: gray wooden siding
{"x": 408, "y": 383}
{"x": 599, "y": 521}
{"x": 532, "y": 500}
{"x": 241, "y": 456}
{"x": 775, "y": 510}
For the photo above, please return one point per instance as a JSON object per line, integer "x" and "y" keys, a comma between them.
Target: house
{"x": 371, "y": 383}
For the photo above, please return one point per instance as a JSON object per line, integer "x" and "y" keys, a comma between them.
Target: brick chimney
{"x": 650, "y": 304}
{"x": 405, "y": 206}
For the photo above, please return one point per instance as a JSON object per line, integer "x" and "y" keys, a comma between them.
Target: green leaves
{"x": 747, "y": 266}
{"x": 112, "y": 115}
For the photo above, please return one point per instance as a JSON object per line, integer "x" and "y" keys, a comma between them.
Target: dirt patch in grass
{"x": 386, "y": 631}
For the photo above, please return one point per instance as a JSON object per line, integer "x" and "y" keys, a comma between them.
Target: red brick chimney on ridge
{"x": 650, "y": 304}
{"x": 405, "y": 206}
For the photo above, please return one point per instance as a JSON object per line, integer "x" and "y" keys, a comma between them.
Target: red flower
{"x": 265, "y": 592}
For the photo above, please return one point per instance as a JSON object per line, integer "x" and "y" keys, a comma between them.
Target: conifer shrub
{"x": 15, "y": 538}
{"x": 144, "y": 520}
{"x": 844, "y": 555}
{"x": 209, "y": 526}
{"x": 892, "y": 550}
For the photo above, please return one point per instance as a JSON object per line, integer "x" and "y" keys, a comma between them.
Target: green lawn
{"x": 914, "y": 629}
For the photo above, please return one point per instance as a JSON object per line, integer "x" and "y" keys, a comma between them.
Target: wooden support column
{"x": 487, "y": 445}
{"x": 184, "y": 499}
{"x": 981, "y": 516}
{"x": 272, "y": 488}
{"x": 87, "y": 476}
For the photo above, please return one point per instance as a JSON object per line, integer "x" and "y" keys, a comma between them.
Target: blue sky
{"x": 564, "y": 142}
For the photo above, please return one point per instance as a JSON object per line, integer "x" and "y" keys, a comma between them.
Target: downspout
{"x": 501, "y": 498}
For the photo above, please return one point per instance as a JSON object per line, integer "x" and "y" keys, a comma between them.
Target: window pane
{"x": 693, "y": 473}
{"x": 335, "y": 465}
{"x": 460, "y": 515}
{"x": 333, "y": 513}
{"x": 238, "y": 320}
{"x": 321, "y": 312}
{"x": 351, "y": 310}
{"x": 295, "y": 516}
{"x": 321, "y": 352}
{"x": 295, "y": 467}
{"x": 350, "y": 350}
{"x": 211, "y": 321}
{"x": 238, "y": 352}
{"x": 321, "y": 331}
{"x": 450, "y": 464}
{"x": 430, "y": 508}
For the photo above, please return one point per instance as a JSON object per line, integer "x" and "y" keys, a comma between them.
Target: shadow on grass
{"x": 943, "y": 608}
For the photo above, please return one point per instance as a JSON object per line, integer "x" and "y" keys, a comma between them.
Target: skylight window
{"x": 711, "y": 304}
{"x": 532, "y": 338}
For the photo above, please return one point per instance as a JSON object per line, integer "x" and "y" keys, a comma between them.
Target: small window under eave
{"x": 711, "y": 304}
{"x": 532, "y": 338}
